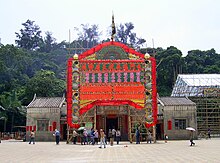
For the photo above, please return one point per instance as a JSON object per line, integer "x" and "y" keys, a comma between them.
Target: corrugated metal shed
{"x": 46, "y": 102}
{"x": 201, "y": 79}
{"x": 171, "y": 101}
{"x": 196, "y": 85}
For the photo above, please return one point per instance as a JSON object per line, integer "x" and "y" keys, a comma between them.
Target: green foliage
{"x": 198, "y": 61}
{"x": 45, "y": 84}
{"x": 48, "y": 43}
{"x": 126, "y": 35}
{"x": 29, "y": 37}
{"x": 88, "y": 36}
{"x": 169, "y": 65}
{"x": 13, "y": 65}
{"x": 13, "y": 112}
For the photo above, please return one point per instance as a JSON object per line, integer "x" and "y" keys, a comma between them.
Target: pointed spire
{"x": 113, "y": 28}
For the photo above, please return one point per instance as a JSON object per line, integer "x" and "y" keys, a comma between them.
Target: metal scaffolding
{"x": 208, "y": 114}
{"x": 204, "y": 90}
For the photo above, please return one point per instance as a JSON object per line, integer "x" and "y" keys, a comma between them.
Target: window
{"x": 42, "y": 125}
{"x": 180, "y": 124}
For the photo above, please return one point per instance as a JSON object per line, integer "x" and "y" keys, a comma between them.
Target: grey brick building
{"x": 177, "y": 114}
{"x": 44, "y": 115}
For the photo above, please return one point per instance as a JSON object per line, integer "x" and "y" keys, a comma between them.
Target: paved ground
{"x": 173, "y": 151}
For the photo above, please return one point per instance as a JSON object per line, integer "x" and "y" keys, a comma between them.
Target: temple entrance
{"x": 111, "y": 122}
{"x": 63, "y": 131}
{"x": 123, "y": 117}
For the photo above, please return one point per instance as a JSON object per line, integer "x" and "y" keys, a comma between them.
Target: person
{"x": 110, "y": 136}
{"x": 57, "y": 135}
{"x": 149, "y": 137}
{"x": 191, "y": 138}
{"x": 118, "y": 136}
{"x": 85, "y": 137}
{"x": 92, "y": 136}
{"x": 137, "y": 134}
{"x": 96, "y": 133}
{"x": 24, "y": 137}
{"x": 209, "y": 133}
{"x": 102, "y": 138}
{"x": 165, "y": 138}
{"x": 105, "y": 138}
{"x": 32, "y": 137}
{"x": 113, "y": 133}
{"x": 75, "y": 134}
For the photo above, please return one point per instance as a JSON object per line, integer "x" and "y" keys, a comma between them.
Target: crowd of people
{"x": 93, "y": 136}
{"x": 137, "y": 136}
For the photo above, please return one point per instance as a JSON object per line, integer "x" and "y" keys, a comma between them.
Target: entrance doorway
{"x": 159, "y": 131}
{"x": 63, "y": 131}
{"x": 111, "y": 122}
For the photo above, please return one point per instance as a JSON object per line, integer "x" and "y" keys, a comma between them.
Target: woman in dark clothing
{"x": 137, "y": 134}
{"x": 191, "y": 138}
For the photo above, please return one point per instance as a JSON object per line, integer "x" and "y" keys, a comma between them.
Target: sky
{"x": 185, "y": 24}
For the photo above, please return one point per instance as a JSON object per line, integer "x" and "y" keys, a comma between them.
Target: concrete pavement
{"x": 173, "y": 151}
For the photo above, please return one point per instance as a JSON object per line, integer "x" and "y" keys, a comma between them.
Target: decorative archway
{"x": 111, "y": 74}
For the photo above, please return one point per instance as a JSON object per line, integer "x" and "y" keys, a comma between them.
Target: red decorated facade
{"x": 111, "y": 74}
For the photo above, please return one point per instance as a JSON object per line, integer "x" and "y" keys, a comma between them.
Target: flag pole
{"x": 113, "y": 27}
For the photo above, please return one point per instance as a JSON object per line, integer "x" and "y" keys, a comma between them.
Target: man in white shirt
{"x": 118, "y": 136}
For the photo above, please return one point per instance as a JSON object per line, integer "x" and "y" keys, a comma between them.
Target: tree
{"x": 212, "y": 69}
{"x": 45, "y": 84}
{"x": 13, "y": 113}
{"x": 194, "y": 62}
{"x": 169, "y": 65}
{"x": 126, "y": 35}
{"x": 89, "y": 36}
{"x": 14, "y": 68}
{"x": 198, "y": 61}
{"x": 48, "y": 43}
{"x": 29, "y": 37}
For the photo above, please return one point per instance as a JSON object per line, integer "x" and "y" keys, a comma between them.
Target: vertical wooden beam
{"x": 129, "y": 125}
{"x": 95, "y": 111}
{"x": 104, "y": 123}
{"x": 154, "y": 133}
{"x": 68, "y": 134}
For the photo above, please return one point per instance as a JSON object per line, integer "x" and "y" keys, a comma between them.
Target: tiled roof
{"x": 46, "y": 102}
{"x": 171, "y": 101}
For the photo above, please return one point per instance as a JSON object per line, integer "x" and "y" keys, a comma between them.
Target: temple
{"x": 112, "y": 86}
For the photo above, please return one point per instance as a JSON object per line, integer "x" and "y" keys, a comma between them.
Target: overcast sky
{"x": 185, "y": 24}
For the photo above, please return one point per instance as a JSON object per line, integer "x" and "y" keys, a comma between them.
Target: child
{"x": 165, "y": 138}
{"x": 32, "y": 137}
